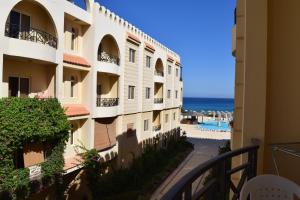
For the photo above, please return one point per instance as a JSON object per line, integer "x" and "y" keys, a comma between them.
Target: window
{"x": 73, "y": 39}
{"x": 18, "y": 87}
{"x": 146, "y": 125}
{"x": 169, "y": 94}
{"x": 176, "y": 72}
{"x": 73, "y": 84}
{"x": 19, "y": 24}
{"x": 131, "y": 92}
{"x": 169, "y": 69}
{"x": 174, "y": 116}
{"x": 148, "y": 92}
{"x": 19, "y": 159}
{"x": 176, "y": 94}
{"x": 166, "y": 118}
{"x": 148, "y": 61}
{"x": 132, "y": 55}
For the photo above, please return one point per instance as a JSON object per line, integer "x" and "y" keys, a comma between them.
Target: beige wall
{"x": 41, "y": 76}
{"x": 109, "y": 85}
{"x": 131, "y": 79}
{"x": 78, "y": 89}
{"x": 158, "y": 90}
{"x": 147, "y": 82}
{"x": 169, "y": 85}
{"x": 148, "y": 133}
{"x": 266, "y": 85}
{"x": 79, "y": 30}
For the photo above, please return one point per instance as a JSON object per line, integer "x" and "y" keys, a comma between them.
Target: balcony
{"x": 109, "y": 58}
{"x": 107, "y": 102}
{"x": 157, "y": 128}
{"x": 158, "y": 100}
{"x": 218, "y": 184}
{"x": 158, "y": 104}
{"x": 159, "y": 77}
{"x": 30, "y": 34}
{"x": 107, "y": 98}
{"x": 27, "y": 31}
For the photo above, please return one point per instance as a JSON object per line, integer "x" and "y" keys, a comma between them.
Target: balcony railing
{"x": 158, "y": 100}
{"x": 30, "y": 34}
{"x": 109, "y": 58}
{"x": 107, "y": 102}
{"x": 157, "y": 73}
{"x": 219, "y": 184}
{"x": 157, "y": 128}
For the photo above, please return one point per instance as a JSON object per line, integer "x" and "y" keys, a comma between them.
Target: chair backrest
{"x": 269, "y": 187}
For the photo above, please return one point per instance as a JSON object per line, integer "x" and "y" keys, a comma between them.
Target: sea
{"x": 208, "y": 104}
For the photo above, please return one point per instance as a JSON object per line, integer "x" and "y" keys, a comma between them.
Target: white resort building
{"x": 118, "y": 85}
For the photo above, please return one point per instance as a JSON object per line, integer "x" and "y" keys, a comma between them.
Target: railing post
{"x": 252, "y": 160}
{"x": 224, "y": 181}
{"x": 188, "y": 192}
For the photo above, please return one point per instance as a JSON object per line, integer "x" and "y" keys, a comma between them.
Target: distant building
{"x": 118, "y": 85}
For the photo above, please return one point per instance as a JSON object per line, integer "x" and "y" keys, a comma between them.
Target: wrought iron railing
{"x": 30, "y": 34}
{"x": 107, "y": 102}
{"x": 219, "y": 184}
{"x": 158, "y": 73}
{"x": 157, "y": 128}
{"x": 109, "y": 58}
{"x": 158, "y": 100}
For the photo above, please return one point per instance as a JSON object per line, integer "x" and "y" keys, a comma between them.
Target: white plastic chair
{"x": 270, "y": 187}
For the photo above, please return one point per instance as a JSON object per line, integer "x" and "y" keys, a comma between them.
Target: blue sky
{"x": 198, "y": 30}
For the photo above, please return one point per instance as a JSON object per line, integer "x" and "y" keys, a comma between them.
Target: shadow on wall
{"x": 128, "y": 148}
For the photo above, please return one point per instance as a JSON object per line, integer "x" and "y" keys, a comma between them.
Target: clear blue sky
{"x": 198, "y": 30}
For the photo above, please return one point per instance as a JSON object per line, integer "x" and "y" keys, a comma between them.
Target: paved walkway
{"x": 204, "y": 149}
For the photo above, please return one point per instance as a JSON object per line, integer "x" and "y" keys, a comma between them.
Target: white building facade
{"x": 118, "y": 85}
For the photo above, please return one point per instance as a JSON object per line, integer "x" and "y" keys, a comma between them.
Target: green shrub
{"x": 143, "y": 176}
{"x": 27, "y": 121}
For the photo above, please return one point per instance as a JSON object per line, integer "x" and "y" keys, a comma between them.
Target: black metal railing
{"x": 158, "y": 73}
{"x": 30, "y": 34}
{"x": 157, "y": 128}
{"x": 107, "y": 102}
{"x": 158, "y": 100}
{"x": 219, "y": 183}
{"x": 109, "y": 58}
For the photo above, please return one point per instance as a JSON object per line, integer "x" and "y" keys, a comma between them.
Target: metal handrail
{"x": 158, "y": 100}
{"x": 158, "y": 73}
{"x": 107, "y": 102}
{"x": 157, "y": 128}
{"x": 222, "y": 183}
{"x": 109, "y": 58}
{"x": 30, "y": 34}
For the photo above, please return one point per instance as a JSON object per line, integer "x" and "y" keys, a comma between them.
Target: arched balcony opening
{"x": 159, "y": 68}
{"x": 108, "y": 50}
{"x": 30, "y": 21}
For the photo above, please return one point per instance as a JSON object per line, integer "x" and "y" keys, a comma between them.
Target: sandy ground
{"x": 206, "y": 145}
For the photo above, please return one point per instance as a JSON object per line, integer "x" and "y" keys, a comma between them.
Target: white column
{"x": 59, "y": 81}
{"x": 3, "y": 87}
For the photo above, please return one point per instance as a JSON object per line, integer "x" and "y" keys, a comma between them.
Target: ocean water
{"x": 208, "y": 104}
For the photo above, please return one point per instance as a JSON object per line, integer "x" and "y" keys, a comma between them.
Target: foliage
{"x": 26, "y": 121}
{"x": 144, "y": 174}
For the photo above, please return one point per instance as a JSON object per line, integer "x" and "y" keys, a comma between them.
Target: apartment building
{"x": 266, "y": 47}
{"x": 118, "y": 85}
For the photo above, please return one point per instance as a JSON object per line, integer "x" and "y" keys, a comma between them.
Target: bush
{"x": 143, "y": 176}
{"x": 27, "y": 121}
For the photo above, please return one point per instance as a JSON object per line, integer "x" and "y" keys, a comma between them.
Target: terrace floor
{"x": 204, "y": 149}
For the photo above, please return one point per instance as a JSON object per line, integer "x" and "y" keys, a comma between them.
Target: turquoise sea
{"x": 208, "y": 104}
